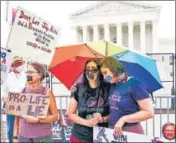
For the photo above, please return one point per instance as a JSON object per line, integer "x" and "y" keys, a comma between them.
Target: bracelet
{"x": 15, "y": 137}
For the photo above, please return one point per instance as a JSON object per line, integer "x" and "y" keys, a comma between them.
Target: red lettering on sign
{"x": 23, "y": 16}
{"x": 35, "y": 21}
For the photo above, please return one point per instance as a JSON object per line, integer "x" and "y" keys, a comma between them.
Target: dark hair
{"x": 42, "y": 69}
{"x": 86, "y": 87}
{"x": 114, "y": 65}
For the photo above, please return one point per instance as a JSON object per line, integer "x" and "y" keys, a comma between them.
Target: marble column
{"x": 119, "y": 33}
{"x": 142, "y": 37}
{"x": 106, "y": 32}
{"x": 155, "y": 36}
{"x": 85, "y": 33}
{"x": 75, "y": 34}
{"x": 130, "y": 35}
{"x": 95, "y": 33}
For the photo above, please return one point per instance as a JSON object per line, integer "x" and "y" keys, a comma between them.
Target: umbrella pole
{"x": 106, "y": 49}
{"x": 152, "y": 98}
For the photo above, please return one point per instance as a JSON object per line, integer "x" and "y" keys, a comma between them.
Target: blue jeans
{"x": 10, "y": 126}
{"x": 47, "y": 139}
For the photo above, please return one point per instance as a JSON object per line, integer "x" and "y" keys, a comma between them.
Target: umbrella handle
{"x": 153, "y": 98}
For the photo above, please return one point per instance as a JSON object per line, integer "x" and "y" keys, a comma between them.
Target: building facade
{"x": 130, "y": 24}
{"x": 133, "y": 25}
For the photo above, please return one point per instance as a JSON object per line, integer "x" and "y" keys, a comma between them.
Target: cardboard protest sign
{"x": 6, "y": 61}
{"x": 101, "y": 134}
{"x": 22, "y": 104}
{"x": 32, "y": 37}
{"x": 62, "y": 128}
{"x": 61, "y": 133}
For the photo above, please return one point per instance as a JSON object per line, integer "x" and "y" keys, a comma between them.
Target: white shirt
{"x": 14, "y": 83}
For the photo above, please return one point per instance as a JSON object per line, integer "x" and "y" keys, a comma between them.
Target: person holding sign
{"x": 30, "y": 128}
{"x": 128, "y": 99}
{"x": 15, "y": 82}
{"x": 91, "y": 101}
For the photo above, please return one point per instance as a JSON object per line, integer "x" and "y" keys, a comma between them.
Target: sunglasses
{"x": 92, "y": 70}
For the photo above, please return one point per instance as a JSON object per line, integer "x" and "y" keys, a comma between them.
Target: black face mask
{"x": 29, "y": 78}
{"x": 90, "y": 75}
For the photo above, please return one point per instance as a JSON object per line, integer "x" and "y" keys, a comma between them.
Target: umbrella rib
{"x": 76, "y": 78}
{"x": 91, "y": 50}
{"x": 122, "y": 54}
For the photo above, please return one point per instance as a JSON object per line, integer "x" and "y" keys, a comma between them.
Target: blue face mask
{"x": 108, "y": 79}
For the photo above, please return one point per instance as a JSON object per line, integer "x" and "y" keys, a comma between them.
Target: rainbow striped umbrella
{"x": 138, "y": 65}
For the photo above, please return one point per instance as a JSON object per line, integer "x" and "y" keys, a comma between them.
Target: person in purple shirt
{"x": 129, "y": 102}
{"x": 30, "y": 128}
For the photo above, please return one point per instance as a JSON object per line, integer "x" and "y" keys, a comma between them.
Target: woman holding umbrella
{"x": 91, "y": 101}
{"x": 128, "y": 99}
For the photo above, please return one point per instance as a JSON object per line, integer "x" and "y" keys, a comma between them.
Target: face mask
{"x": 90, "y": 75}
{"x": 108, "y": 79}
{"x": 29, "y": 78}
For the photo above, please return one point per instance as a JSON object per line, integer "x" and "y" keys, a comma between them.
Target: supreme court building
{"x": 130, "y": 24}
{"x": 127, "y": 23}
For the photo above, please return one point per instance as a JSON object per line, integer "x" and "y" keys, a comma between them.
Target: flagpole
{"x": 6, "y": 49}
{"x": 11, "y": 30}
{"x": 7, "y": 10}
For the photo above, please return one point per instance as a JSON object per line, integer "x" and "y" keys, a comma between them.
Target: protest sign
{"x": 62, "y": 128}
{"x": 101, "y": 134}
{"x": 6, "y": 61}
{"x": 22, "y": 104}
{"x": 60, "y": 133}
{"x": 32, "y": 37}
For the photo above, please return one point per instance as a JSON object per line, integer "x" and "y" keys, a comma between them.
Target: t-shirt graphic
{"x": 113, "y": 99}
